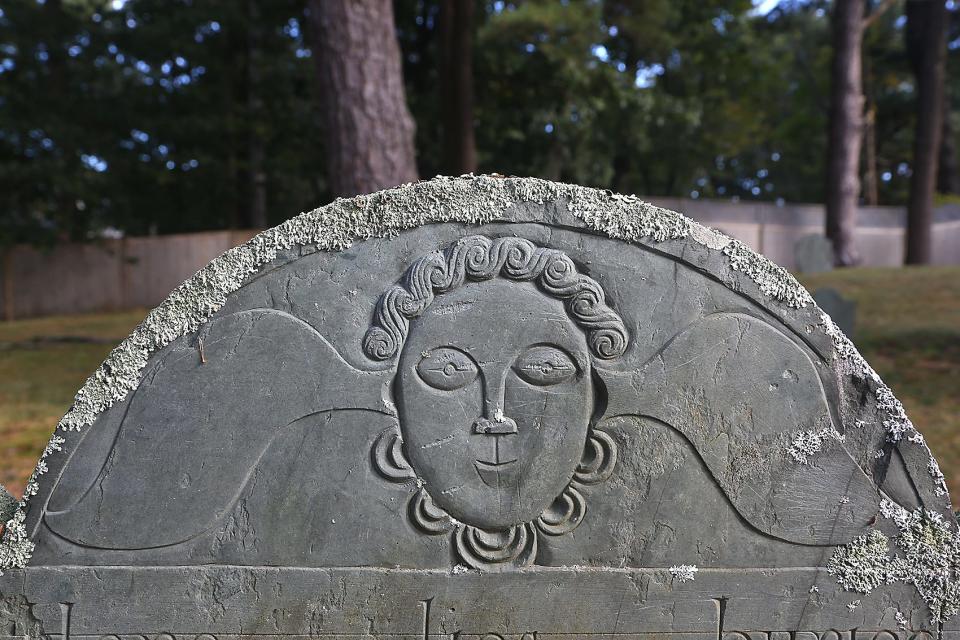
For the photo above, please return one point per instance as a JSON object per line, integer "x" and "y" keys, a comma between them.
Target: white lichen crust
{"x": 928, "y": 558}
{"x": 773, "y": 280}
{"x": 479, "y": 200}
{"x": 683, "y": 572}
{"x": 807, "y": 443}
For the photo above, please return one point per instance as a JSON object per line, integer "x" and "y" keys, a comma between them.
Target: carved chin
{"x": 510, "y": 545}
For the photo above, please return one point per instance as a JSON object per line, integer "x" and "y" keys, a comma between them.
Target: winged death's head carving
{"x": 496, "y": 373}
{"x": 495, "y": 387}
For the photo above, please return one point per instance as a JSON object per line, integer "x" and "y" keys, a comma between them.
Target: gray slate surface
{"x": 522, "y": 429}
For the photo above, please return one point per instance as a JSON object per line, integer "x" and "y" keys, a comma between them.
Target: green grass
{"x": 39, "y": 379}
{"x": 908, "y": 328}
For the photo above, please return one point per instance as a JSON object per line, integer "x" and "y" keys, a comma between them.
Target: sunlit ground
{"x": 908, "y": 327}
{"x": 40, "y": 371}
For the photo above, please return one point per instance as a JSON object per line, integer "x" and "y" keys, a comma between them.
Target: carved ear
{"x": 749, "y": 400}
{"x": 196, "y": 427}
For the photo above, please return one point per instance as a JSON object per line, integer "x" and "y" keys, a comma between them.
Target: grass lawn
{"x": 38, "y": 379}
{"x": 908, "y": 328}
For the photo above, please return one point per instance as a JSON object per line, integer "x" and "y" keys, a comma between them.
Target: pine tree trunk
{"x": 926, "y": 48}
{"x": 456, "y": 86}
{"x": 256, "y": 154}
{"x": 57, "y": 90}
{"x": 845, "y": 130}
{"x": 871, "y": 184}
{"x": 368, "y": 139}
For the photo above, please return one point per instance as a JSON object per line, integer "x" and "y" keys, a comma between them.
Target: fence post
{"x": 8, "y": 301}
{"x": 124, "y": 278}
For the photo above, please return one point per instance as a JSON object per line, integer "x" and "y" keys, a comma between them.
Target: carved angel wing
{"x": 194, "y": 430}
{"x": 750, "y": 402}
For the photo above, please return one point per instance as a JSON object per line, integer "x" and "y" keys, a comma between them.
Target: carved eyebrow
{"x": 455, "y": 366}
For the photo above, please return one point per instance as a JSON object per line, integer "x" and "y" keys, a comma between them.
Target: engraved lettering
{"x": 426, "y": 617}
{"x": 829, "y": 634}
{"x": 65, "y": 610}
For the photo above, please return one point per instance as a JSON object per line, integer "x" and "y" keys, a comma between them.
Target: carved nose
{"x": 495, "y": 427}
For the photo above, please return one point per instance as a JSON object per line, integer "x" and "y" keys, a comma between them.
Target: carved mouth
{"x": 497, "y": 474}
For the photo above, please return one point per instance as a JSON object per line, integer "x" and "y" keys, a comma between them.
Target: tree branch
{"x": 876, "y": 13}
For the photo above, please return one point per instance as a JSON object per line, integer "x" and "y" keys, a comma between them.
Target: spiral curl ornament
{"x": 388, "y": 458}
{"x": 478, "y": 258}
{"x": 599, "y": 458}
{"x": 427, "y": 516}
{"x": 496, "y": 550}
{"x": 565, "y": 514}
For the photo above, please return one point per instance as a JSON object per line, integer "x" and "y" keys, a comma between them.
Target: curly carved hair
{"x": 479, "y": 258}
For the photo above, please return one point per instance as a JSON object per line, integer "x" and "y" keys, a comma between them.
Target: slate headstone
{"x": 813, "y": 254}
{"x": 8, "y": 505}
{"x": 842, "y": 310}
{"x": 484, "y": 408}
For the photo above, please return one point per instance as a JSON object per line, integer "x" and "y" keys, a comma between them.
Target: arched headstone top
{"x": 479, "y": 375}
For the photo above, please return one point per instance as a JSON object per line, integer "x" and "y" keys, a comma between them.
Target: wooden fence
{"x": 140, "y": 272}
{"x": 106, "y": 275}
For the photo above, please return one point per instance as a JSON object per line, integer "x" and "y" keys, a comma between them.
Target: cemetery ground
{"x": 908, "y": 328}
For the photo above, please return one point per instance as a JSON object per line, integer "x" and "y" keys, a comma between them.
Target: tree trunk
{"x": 926, "y": 48}
{"x": 845, "y": 130}
{"x": 256, "y": 155}
{"x": 871, "y": 185}
{"x": 456, "y": 86}
{"x": 368, "y": 129}
{"x": 57, "y": 90}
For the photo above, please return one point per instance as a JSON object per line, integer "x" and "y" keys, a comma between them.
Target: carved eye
{"x": 544, "y": 366}
{"x": 447, "y": 369}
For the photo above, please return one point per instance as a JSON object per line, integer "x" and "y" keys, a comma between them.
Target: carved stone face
{"x": 494, "y": 394}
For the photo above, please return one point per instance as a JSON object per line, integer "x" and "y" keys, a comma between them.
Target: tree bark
{"x": 368, "y": 141}
{"x": 845, "y": 132}
{"x": 871, "y": 184}
{"x": 456, "y": 86}
{"x": 256, "y": 154}
{"x": 57, "y": 90}
{"x": 926, "y": 48}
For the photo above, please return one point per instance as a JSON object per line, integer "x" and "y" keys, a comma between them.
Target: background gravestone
{"x": 813, "y": 254}
{"x": 485, "y": 408}
{"x": 841, "y": 310}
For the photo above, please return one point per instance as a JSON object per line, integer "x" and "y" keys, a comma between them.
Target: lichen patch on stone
{"x": 8, "y": 504}
{"x": 683, "y": 572}
{"x": 808, "y": 443}
{"x": 863, "y": 565}
{"x": 927, "y": 556}
{"x": 772, "y": 279}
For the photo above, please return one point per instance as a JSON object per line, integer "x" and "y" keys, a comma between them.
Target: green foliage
{"x": 141, "y": 115}
{"x": 658, "y": 98}
{"x": 156, "y": 115}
